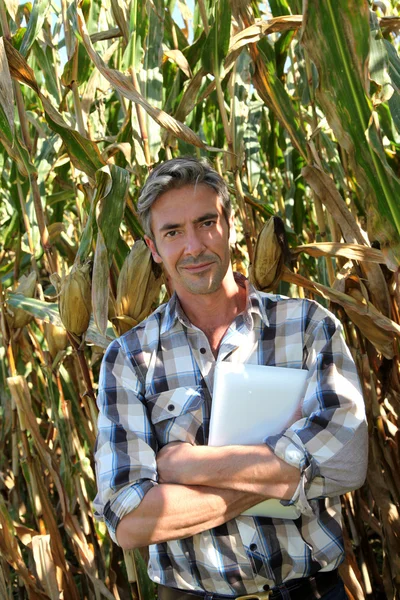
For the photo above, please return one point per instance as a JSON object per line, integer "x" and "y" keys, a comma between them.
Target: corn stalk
{"x": 301, "y": 115}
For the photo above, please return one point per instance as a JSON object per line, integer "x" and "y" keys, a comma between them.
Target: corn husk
{"x": 266, "y": 270}
{"x": 349, "y": 283}
{"x": 382, "y": 340}
{"x": 112, "y": 306}
{"x": 26, "y": 287}
{"x": 138, "y": 287}
{"x": 57, "y": 339}
{"x": 75, "y": 301}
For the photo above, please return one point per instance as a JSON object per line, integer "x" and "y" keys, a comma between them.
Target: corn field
{"x": 299, "y": 108}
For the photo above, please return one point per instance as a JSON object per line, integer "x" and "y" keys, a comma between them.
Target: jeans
{"x": 338, "y": 593}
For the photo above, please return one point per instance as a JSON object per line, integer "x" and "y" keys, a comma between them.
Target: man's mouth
{"x": 197, "y": 268}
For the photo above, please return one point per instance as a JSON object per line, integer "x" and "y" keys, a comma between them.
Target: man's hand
{"x": 175, "y": 463}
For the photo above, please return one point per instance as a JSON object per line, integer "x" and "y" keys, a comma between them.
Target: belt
{"x": 306, "y": 588}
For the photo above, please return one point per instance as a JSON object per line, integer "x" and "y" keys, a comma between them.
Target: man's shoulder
{"x": 296, "y": 307}
{"x": 138, "y": 342}
{"x": 147, "y": 329}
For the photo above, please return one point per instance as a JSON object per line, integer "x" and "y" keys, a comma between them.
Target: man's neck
{"x": 213, "y": 313}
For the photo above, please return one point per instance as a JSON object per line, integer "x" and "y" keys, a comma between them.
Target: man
{"x": 159, "y": 482}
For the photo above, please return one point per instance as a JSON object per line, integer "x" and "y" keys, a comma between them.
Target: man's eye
{"x": 171, "y": 234}
{"x": 208, "y": 223}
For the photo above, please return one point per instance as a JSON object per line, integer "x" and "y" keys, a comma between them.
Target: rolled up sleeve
{"x": 329, "y": 443}
{"x": 126, "y": 448}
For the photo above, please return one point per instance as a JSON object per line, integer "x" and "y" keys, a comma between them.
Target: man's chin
{"x": 202, "y": 287}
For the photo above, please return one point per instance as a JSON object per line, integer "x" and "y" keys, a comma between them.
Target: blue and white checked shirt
{"x": 155, "y": 387}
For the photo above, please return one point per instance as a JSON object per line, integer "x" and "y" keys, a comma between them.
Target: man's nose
{"x": 194, "y": 244}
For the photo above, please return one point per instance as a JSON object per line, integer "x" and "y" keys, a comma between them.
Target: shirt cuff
{"x": 123, "y": 503}
{"x": 292, "y": 451}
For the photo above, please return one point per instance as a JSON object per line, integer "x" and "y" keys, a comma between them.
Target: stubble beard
{"x": 206, "y": 282}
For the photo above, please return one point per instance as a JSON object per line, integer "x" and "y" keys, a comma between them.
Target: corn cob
{"x": 138, "y": 286}
{"x": 265, "y": 272}
{"x": 75, "y": 303}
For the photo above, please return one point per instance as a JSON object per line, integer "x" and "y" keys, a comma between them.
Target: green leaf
{"x": 343, "y": 96}
{"x": 194, "y": 51}
{"x": 109, "y": 203}
{"x": 44, "y": 59}
{"x": 379, "y": 61}
{"x": 279, "y": 7}
{"x": 10, "y": 142}
{"x": 394, "y": 105}
{"x": 242, "y": 80}
{"x": 125, "y": 86}
{"x": 35, "y": 24}
{"x": 252, "y": 144}
{"x": 135, "y": 30}
{"x": 6, "y": 97}
{"x": 84, "y": 67}
{"x": 151, "y": 74}
{"x": 112, "y": 203}
{"x": 18, "y": 38}
{"x": 172, "y": 32}
{"x": 48, "y": 312}
{"x": 217, "y": 43}
{"x": 83, "y": 153}
{"x": 274, "y": 94}
{"x": 101, "y": 270}
{"x": 394, "y": 64}
{"x": 145, "y": 585}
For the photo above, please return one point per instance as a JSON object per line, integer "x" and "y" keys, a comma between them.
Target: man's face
{"x": 191, "y": 238}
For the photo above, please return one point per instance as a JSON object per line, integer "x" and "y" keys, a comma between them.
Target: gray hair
{"x": 175, "y": 174}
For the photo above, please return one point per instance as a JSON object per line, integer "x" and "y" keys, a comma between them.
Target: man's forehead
{"x": 188, "y": 202}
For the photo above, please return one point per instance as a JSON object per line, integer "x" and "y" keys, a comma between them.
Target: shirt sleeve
{"x": 329, "y": 444}
{"x": 125, "y": 452}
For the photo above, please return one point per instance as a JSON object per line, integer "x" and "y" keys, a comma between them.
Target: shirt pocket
{"x": 177, "y": 415}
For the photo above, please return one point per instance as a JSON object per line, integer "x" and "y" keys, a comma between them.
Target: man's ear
{"x": 153, "y": 249}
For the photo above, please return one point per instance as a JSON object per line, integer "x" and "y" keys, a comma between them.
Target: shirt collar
{"x": 254, "y": 306}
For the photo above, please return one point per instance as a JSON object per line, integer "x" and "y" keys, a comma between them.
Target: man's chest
{"x": 180, "y": 376}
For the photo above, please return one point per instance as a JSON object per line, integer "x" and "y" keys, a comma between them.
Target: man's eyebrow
{"x": 168, "y": 226}
{"x": 206, "y": 217}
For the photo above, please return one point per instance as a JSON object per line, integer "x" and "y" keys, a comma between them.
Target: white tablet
{"x": 251, "y": 402}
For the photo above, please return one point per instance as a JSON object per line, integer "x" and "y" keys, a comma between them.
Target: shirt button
{"x": 171, "y": 407}
{"x": 203, "y": 350}
{"x": 253, "y": 547}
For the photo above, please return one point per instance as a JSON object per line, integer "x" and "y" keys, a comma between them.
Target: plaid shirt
{"x": 155, "y": 387}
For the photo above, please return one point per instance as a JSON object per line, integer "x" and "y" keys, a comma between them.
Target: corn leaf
{"x": 124, "y": 85}
{"x": 151, "y": 74}
{"x": 348, "y": 302}
{"x": 112, "y": 203}
{"x": 6, "y": 97}
{"x": 48, "y": 312}
{"x": 217, "y": 43}
{"x": 35, "y": 24}
{"x": 325, "y": 189}
{"x": 347, "y": 106}
{"x": 101, "y": 269}
{"x": 353, "y": 251}
{"x": 83, "y": 152}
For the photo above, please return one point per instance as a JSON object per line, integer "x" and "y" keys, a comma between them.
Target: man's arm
{"x": 224, "y": 482}
{"x": 171, "y": 512}
{"x": 249, "y": 469}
